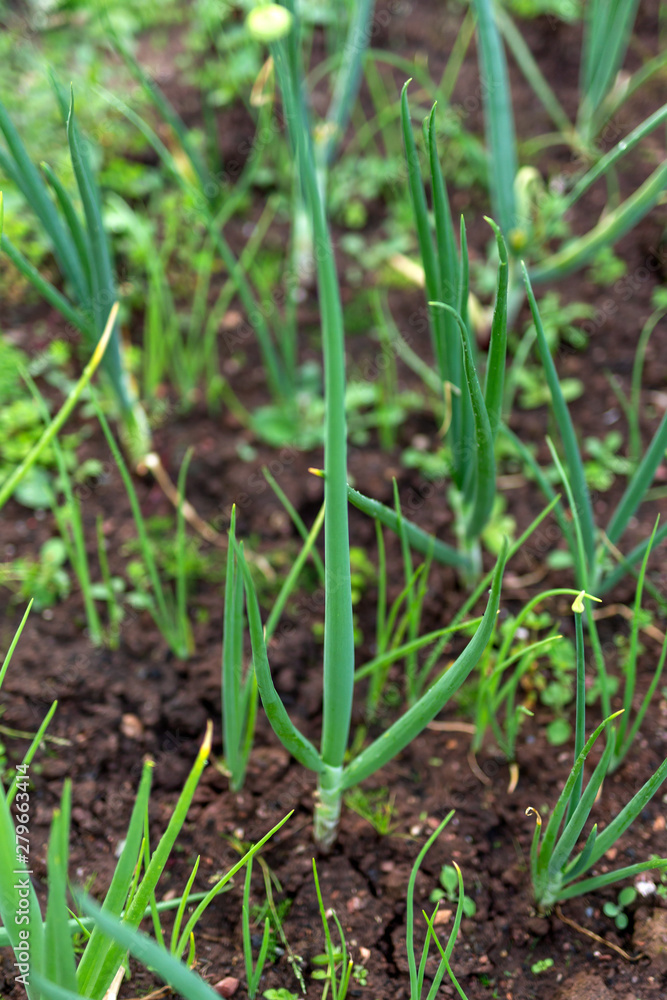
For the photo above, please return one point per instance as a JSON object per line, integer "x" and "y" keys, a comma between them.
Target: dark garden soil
{"x": 117, "y": 707}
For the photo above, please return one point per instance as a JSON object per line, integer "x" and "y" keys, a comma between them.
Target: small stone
{"x": 227, "y": 987}
{"x": 354, "y": 903}
{"x": 364, "y": 954}
{"x": 131, "y": 727}
{"x": 442, "y": 917}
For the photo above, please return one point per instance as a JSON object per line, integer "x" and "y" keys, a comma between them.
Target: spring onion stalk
{"x": 169, "y": 615}
{"x": 70, "y": 524}
{"x": 339, "y": 986}
{"x": 333, "y": 774}
{"x": 338, "y": 624}
{"x": 498, "y": 118}
{"x": 205, "y": 198}
{"x": 532, "y": 73}
{"x": 568, "y": 436}
{"x": 488, "y": 697}
{"x": 607, "y": 31}
{"x": 621, "y": 149}
{"x": 253, "y": 974}
{"x": 473, "y": 404}
{"x": 119, "y": 934}
{"x": 555, "y": 867}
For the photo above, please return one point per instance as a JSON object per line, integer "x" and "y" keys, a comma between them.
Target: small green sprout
{"x": 449, "y": 881}
{"x": 626, "y": 897}
{"x": 542, "y": 966}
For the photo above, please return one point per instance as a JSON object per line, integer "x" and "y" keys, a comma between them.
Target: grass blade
{"x": 17, "y": 475}
{"x": 405, "y": 729}
{"x": 98, "y": 944}
{"x": 60, "y": 965}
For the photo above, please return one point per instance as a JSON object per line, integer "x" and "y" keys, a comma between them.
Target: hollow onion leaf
{"x": 568, "y": 436}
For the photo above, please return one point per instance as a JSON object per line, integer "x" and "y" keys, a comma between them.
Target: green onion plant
{"x": 607, "y": 30}
{"x": 499, "y": 677}
{"x": 472, "y": 400}
{"x": 631, "y": 404}
{"x": 334, "y": 775}
{"x": 556, "y": 865}
{"x": 82, "y": 253}
{"x": 70, "y": 525}
{"x": 239, "y": 692}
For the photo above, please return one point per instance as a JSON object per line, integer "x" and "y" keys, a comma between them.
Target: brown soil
{"x": 116, "y": 707}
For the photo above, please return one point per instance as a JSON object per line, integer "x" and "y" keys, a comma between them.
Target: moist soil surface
{"x": 117, "y": 707}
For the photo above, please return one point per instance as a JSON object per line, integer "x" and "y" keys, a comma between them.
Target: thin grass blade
{"x": 98, "y": 944}
{"x": 12, "y": 481}
{"x": 60, "y": 965}
{"x": 404, "y": 730}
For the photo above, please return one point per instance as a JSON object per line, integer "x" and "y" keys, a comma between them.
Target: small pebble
{"x": 227, "y": 987}
{"x": 131, "y": 727}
